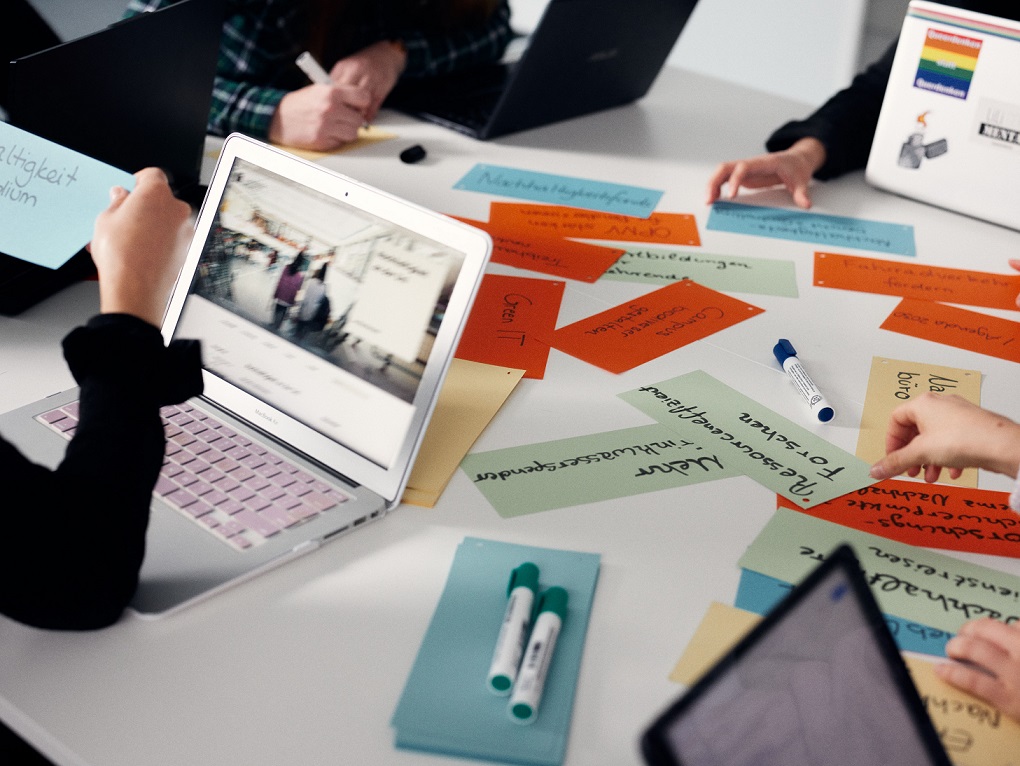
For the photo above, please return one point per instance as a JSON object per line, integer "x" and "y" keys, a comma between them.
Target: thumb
{"x": 117, "y": 196}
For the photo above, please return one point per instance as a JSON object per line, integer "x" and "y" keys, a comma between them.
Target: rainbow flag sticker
{"x": 947, "y": 63}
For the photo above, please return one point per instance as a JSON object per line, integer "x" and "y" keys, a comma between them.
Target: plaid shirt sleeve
{"x": 261, "y": 40}
{"x": 441, "y": 54}
{"x": 257, "y": 50}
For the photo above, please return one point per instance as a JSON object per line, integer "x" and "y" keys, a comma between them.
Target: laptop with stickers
{"x": 949, "y": 130}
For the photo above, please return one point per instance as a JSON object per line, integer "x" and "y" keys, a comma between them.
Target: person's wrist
{"x": 812, "y": 151}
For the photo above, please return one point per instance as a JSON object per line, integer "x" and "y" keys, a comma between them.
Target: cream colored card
{"x": 894, "y": 382}
{"x": 471, "y": 396}
{"x": 973, "y": 732}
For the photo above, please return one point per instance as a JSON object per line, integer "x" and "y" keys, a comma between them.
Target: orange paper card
{"x": 648, "y": 327}
{"x": 914, "y": 280}
{"x": 961, "y": 328}
{"x": 550, "y": 255}
{"x": 559, "y": 221}
{"x": 928, "y": 515}
{"x": 509, "y": 315}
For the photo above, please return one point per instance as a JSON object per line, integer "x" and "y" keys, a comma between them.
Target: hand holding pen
{"x": 321, "y": 116}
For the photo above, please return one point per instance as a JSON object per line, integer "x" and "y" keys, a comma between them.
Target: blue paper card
{"x": 830, "y": 231}
{"x": 446, "y": 706}
{"x": 561, "y": 190}
{"x": 758, "y": 593}
{"x": 49, "y": 197}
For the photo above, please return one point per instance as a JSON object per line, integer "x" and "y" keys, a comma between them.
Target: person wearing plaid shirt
{"x": 259, "y": 90}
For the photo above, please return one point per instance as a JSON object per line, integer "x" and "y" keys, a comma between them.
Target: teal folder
{"x": 446, "y": 706}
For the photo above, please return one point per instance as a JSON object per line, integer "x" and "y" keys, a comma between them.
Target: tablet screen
{"x": 815, "y": 686}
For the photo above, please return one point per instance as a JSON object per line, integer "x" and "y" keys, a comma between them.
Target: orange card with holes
{"x": 928, "y": 515}
{"x": 651, "y": 325}
{"x": 952, "y": 326}
{"x": 559, "y": 221}
{"x": 554, "y": 255}
{"x": 916, "y": 280}
{"x": 508, "y": 316}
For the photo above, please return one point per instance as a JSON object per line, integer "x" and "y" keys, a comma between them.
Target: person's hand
{"x": 994, "y": 648}
{"x": 936, "y": 431}
{"x": 320, "y": 117}
{"x": 138, "y": 245}
{"x": 791, "y": 168}
{"x": 375, "y": 68}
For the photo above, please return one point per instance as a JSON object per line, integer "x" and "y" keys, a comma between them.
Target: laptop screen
{"x": 814, "y": 686}
{"x": 321, "y": 310}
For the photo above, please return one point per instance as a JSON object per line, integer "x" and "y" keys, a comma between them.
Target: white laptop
{"x": 949, "y": 130}
{"x": 319, "y": 422}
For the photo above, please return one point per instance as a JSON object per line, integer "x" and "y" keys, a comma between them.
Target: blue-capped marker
{"x": 513, "y": 634}
{"x": 552, "y": 611}
{"x": 786, "y": 355}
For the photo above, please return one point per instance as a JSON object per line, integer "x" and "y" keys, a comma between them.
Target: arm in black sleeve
{"x": 81, "y": 527}
{"x": 845, "y": 124}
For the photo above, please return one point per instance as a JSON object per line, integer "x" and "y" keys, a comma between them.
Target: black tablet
{"x": 818, "y": 681}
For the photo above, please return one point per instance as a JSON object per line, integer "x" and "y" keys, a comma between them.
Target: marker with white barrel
{"x": 527, "y": 693}
{"x": 513, "y": 634}
{"x": 786, "y": 355}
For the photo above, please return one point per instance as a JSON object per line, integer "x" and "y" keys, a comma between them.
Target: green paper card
{"x": 727, "y": 273}
{"x": 909, "y": 582}
{"x": 446, "y": 706}
{"x": 751, "y": 438}
{"x": 586, "y": 469}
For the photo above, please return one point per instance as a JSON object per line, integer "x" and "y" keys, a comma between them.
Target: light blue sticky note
{"x": 829, "y": 231}
{"x": 560, "y": 190}
{"x": 50, "y": 197}
{"x": 446, "y": 706}
{"x": 758, "y": 593}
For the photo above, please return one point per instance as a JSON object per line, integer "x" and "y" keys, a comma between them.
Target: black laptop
{"x": 818, "y": 681}
{"x": 584, "y": 56}
{"x": 132, "y": 95}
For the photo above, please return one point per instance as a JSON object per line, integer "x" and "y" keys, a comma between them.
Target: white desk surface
{"x": 305, "y": 664}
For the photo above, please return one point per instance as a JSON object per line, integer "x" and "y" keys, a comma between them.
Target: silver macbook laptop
{"x": 328, "y": 312}
{"x": 949, "y": 130}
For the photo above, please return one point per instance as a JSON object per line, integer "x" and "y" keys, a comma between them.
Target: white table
{"x": 304, "y": 665}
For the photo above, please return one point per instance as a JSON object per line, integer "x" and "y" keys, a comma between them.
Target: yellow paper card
{"x": 367, "y": 135}
{"x": 894, "y": 382}
{"x": 470, "y": 397}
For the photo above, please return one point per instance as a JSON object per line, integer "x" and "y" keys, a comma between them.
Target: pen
{"x": 527, "y": 693}
{"x": 514, "y": 632}
{"x": 307, "y": 63}
{"x": 786, "y": 355}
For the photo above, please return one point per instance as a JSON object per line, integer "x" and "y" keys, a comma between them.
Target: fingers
{"x": 800, "y": 195}
{"x": 988, "y": 662}
{"x": 715, "y": 183}
{"x": 972, "y": 681}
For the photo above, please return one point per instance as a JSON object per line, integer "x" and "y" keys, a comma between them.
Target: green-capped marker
{"x": 513, "y": 633}
{"x": 527, "y": 692}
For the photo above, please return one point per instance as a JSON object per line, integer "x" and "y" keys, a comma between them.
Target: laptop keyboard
{"x": 235, "y": 488}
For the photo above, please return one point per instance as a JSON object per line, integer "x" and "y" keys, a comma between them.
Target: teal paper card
{"x": 829, "y": 231}
{"x": 446, "y": 706}
{"x": 50, "y": 197}
{"x": 560, "y": 190}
